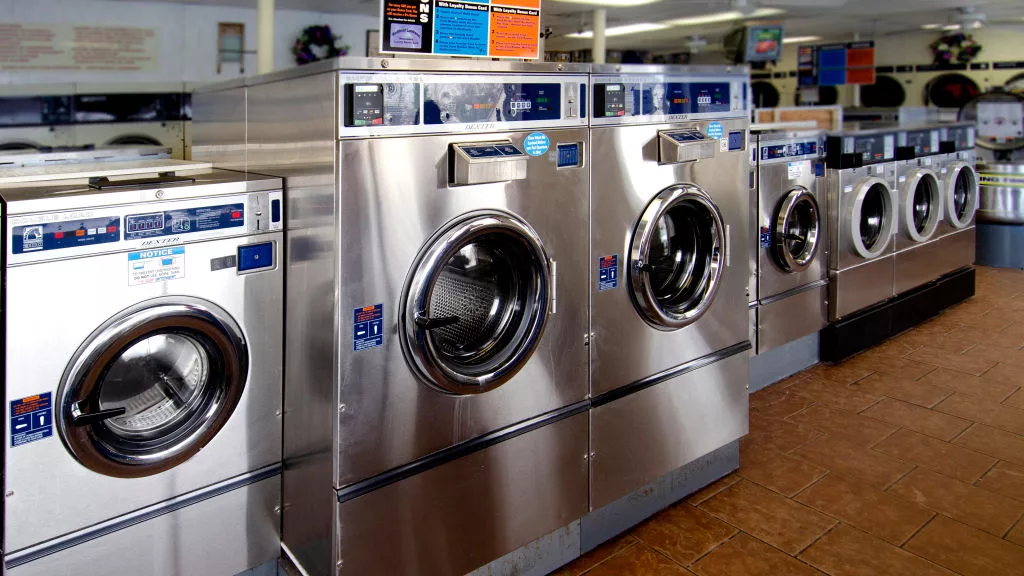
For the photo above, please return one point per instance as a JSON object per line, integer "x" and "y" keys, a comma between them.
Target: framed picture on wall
{"x": 373, "y": 43}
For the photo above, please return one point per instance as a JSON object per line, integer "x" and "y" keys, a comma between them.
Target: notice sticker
{"x": 367, "y": 327}
{"x": 795, "y": 170}
{"x": 156, "y": 265}
{"x": 536, "y": 144}
{"x": 607, "y": 272}
{"x": 715, "y": 130}
{"x": 31, "y": 419}
{"x": 765, "y": 237}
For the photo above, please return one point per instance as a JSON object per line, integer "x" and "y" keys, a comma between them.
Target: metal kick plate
{"x": 485, "y": 162}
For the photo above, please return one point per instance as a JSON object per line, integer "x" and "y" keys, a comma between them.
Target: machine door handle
{"x": 434, "y": 323}
{"x": 79, "y": 419}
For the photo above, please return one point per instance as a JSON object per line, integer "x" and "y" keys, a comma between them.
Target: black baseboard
{"x": 869, "y": 327}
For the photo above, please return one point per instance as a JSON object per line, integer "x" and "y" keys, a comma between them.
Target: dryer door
{"x": 961, "y": 194}
{"x": 872, "y": 218}
{"x": 152, "y": 386}
{"x": 795, "y": 230}
{"x": 922, "y": 208}
{"x": 476, "y": 302}
{"x": 677, "y": 256}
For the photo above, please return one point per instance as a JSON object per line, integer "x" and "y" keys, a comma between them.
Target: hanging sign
{"x": 481, "y": 28}
{"x": 836, "y": 64}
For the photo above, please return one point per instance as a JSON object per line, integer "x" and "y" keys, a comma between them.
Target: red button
{"x": 58, "y": 235}
{"x": 236, "y": 214}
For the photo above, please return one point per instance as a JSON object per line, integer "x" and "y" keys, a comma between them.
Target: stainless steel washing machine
{"x": 790, "y": 288}
{"x": 436, "y": 374}
{"x": 919, "y": 199}
{"x": 669, "y": 251}
{"x": 958, "y": 183}
{"x": 143, "y": 388}
{"x": 861, "y": 181}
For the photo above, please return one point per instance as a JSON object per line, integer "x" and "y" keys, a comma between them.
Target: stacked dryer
{"x": 920, "y": 256}
{"x": 958, "y": 184}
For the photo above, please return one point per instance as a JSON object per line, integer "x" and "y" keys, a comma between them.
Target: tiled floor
{"x": 905, "y": 460}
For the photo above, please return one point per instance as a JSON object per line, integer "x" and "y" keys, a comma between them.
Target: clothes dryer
{"x": 31, "y": 122}
{"x": 669, "y": 250}
{"x": 919, "y": 255}
{"x": 134, "y": 115}
{"x": 143, "y": 389}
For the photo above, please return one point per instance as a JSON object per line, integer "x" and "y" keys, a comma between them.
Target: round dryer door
{"x": 872, "y": 218}
{"x": 961, "y": 194}
{"x": 922, "y": 207}
{"x": 152, "y": 386}
{"x": 677, "y": 257}
{"x": 795, "y": 230}
{"x": 476, "y": 302}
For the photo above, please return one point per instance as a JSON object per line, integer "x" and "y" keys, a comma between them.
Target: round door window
{"x": 795, "y": 230}
{"x": 476, "y": 303}
{"x": 676, "y": 257}
{"x": 923, "y": 204}
{"x": 963, "y": 190}
{"x": 872, "y": 222}
{"x": 152, "y": 386}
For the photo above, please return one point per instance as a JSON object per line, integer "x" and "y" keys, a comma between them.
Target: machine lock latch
{"x": 678, "y": 146}
{"x": 486, "y": 162}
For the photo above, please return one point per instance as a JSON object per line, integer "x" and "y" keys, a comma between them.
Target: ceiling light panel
{"x": 621, "y": 30}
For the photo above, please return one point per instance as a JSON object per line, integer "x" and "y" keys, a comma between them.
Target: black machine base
{"x": 842, "y": 339}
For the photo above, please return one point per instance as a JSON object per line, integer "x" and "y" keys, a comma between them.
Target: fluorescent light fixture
{"x": 931, "y": 26}
{"x": 719, "y": 17}
{"x": 621, "y": 30}
{"x": 795, "y": 39}
{"x": 612, "y": 3}
{"x": 951, "y": 27}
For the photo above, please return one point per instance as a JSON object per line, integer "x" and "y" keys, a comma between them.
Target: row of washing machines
{"x": 852, "y": 225}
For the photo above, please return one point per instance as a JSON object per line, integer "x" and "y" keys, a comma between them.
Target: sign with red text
{"x": 73, "y": 48}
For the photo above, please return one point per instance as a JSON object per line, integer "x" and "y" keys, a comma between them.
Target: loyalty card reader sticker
{"x": 156, "y": 265}
{"x": 536, "y": 144}
{"x": 607, "y": 272}
{"x": 715, "y": 130}
{"x": 367, "y": 327}
{"x": 31, "y": 419}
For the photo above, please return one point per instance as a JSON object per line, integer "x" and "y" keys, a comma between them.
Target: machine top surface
{"x": 22, "y": 175}
{"x": 54, "y": 156}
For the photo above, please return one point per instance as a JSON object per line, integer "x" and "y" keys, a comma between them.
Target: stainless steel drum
{"x": 1002, "y": 193}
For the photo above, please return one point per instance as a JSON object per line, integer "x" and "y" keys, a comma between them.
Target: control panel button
{"x": 255, "y": 256}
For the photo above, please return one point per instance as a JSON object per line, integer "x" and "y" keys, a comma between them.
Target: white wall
{"x": 187, "y": 35}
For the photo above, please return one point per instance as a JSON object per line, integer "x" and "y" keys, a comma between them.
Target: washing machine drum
{"x": 923, "y": 207}
{"x": 476, "y": 302}
{"x": 677, "y": 257}
{"x": 872, "y": 218}
{"x": 795, "y": 230}
{"x": 152, "y": 386}
{"x": 961, "y": 194}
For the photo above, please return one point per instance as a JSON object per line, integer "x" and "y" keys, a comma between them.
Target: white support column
{"x": 264, "y": 36}
{"x": 600, "y": 23}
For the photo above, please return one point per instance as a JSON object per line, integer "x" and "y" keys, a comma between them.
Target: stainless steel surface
{"x": 671, "y": 151}
{"x": 667, "y": 69}
{"x": 49, "y": 492}
{"x": 205, "y": 538}
{"x": 641, "y": 437}
{"x": 627, "y": 176}
{"x": 793, "y": 317}
{"x": 487, "y": 170}
{"x": 45, "y": 174}
{"x": 853, "y": 289}
{"x": 958, "y": 249}
{"x": 218, "y": 127}
{"x": 465, "y": 513}
{"x": 919, "y": 265}
{"x": 74, "y": 155}
{"x": 1001, "y": 193}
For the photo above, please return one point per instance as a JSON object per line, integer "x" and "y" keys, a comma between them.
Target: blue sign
{"x": 765, "y": 238}
{"x": 367, "y": 327}
{"x": 608, "y": 272}
{"x": 536, "y": 144}
{"x": 461, "y": 28}
{"x": 715, "y": 130}
{"x": 31, "y": 419}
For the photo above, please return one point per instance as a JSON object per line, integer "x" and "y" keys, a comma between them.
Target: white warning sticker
{"x": 796, "y": 170}
{"x": 156, "y": 265}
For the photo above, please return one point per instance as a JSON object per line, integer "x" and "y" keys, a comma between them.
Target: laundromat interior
{"x": 512, "y": 287}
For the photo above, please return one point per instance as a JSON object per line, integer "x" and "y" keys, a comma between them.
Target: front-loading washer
{"x": 958, "y": 184}
{"x": 919, "y": 253}
{"x": 143, "y": 388}
{"x": 669, "y": 255}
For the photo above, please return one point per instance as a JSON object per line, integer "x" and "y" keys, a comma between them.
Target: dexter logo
{"x": 160, "y": 241}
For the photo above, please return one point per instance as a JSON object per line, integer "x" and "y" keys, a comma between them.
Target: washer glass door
{"x": 872, "y": 219}
{"x": 795, "y": 230}
{"x": 152, "y": 386}
{"x": 923, "y": 204}
{"x": 677, "y": 256}
{"x": 476, "y": 302}
{"x": 962, "y": 194}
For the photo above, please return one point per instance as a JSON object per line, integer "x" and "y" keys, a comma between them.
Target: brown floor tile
{"x": 683, "y": 533}
{"x": 747, "y": 556}
{"x": 847, "y": 551}
{"x": 967, "y": 550}
{"x": 767, "y": 396}
{"x": 997, "y": 354}
{"x": 792, "y": 379}
{"x": 844, "y": 373}
{"x": 1004, "y": 374}
{"x": 1017, "y": 534}
{"x": 597, "y": 555}
{"x": 968, "y": 504}
{"x": 833, "y": 394}
{"x": 942, "y": 457}
{"x": 929, "y": 345}
{"x": 1015, "y": 400}
{"x": 942, "y": 358}
{"x": 781, "y": 409}
{"x": 788, "y": 526}
{"x": 994, "y": 442}
{"x": 960, "y": 382}
{"x": 1006, "y": 479}
{"x": 923, "y": 420}
{"x": 896, "y": 367}
{"x": 991, "y": 338}
{"x": 865, "y": 507}
{"x": 712, "y": 489}
{"x": 853, "y": 427}
{"x": 854, "y": 460}
{"x": 638, "y": 560}
{"x": 781, "y": 435}
{"x": 895, "y": 347}
{"x": 993, "y": 320}
{"x": 772, "y": 469}
{"x": 904, "y": 389}
{"x": 984, "y": 412}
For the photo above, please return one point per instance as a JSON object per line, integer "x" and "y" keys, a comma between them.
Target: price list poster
{"x": 482, "y": 28}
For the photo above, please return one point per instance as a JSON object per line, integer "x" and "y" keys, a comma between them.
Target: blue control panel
{"x": 568, "y": 155}
{"x": 491, "y": 102}
{"x": 633, "y": 99}
{"x": 789, "y": 150}
{"x": 66, "y": 234}
{"x": 185, "y": 221}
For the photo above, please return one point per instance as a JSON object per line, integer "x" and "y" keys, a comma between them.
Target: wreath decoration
{"x": 959, "y": 48}
{"x": 317, "y": 43}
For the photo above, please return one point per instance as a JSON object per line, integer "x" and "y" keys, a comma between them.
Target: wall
{"x": 187, "y": 35}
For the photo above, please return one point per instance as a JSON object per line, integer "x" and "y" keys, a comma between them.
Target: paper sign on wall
{"x": 70, "y": 48}
{"x": 481, "y": 28}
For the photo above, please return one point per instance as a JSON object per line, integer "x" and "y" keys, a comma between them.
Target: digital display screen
{"x": 696, "y": 97}
{"x": 144, "y": 222}
{"x": 491, "y": 102}
{"x": 764, "y": 43}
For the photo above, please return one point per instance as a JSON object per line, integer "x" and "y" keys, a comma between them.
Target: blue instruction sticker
{"x": 31, "y": 419}
{"x": 765, "y": 238}
{"x": 715, "y": 130}
{"x": 367, "y": 327}
{"x": 536, "y": 144}
{"x": 607, "y": 272}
